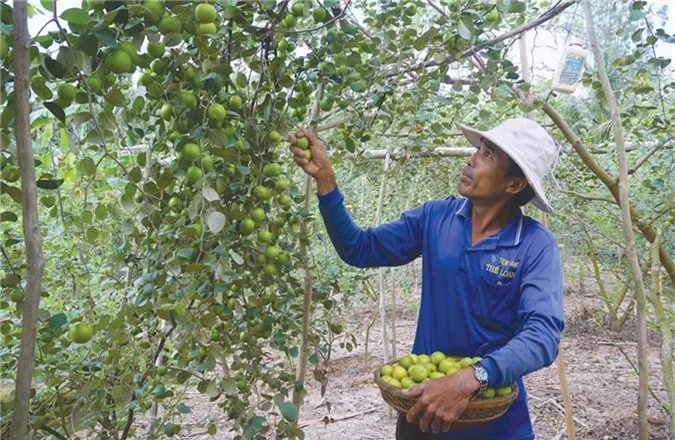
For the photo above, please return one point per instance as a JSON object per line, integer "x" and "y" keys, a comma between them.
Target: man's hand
{"x": 441, "y": 401}
{"x": 319, "y": 166}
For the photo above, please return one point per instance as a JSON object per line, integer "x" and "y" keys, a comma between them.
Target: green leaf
{"x": 210, "y": 194}
{"x": 75, "y": 16}
{"x": 101, "y": 212}
{"x": 212, "y": 429}
{"x": 183, "y": 408}
{"x": 253, "y": 426}
{"x": 8, "y": 216}
{"x": 92, "y": 234}
{"x": 49, "y": 183}
{"x": 236, "y": 258}
{"x": 116, "y": 98}
{"x": 57, "y": 320}
{"x": 13, "y": 192}
{"x": 56, "y": 110}
{"x": 216, "y": 221}
{"x": 87, "y": 166}
{"x": 289, "y": 411}
{"x": 464, "y": 30}
{"x": 217, "y": 137}
{"x": 636, "y": 14}
{"x": 54, "y": 67}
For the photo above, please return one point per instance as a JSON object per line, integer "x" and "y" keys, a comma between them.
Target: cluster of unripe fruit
{"x": 412, "y": 369}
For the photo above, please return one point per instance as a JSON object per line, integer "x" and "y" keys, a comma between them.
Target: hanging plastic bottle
{"x": 570, "y": 68}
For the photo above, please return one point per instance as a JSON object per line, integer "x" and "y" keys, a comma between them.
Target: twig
{"x": 646, "y": 157}
{"x": 585, "y": 197}
{"x": 328, "y": 419}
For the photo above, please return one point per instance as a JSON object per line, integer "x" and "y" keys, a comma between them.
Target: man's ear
{"x": 516, "y": 185}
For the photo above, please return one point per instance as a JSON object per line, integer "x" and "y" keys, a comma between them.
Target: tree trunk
{"x": 31, "y": 227}
{"x": 631, "y": 251}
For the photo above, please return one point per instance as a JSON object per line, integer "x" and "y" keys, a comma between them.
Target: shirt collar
{"x": 509, "y": 235}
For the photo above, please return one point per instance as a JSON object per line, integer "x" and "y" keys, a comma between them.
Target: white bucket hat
{"x": 530, "y": 147}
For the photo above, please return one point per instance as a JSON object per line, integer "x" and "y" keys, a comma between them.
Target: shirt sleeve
{"x": 540, "y": 318}
{"x": 391, "y": 244}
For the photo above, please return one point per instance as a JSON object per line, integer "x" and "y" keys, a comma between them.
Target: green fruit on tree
{"x": 156, "y": 49}
{"x": 17, "y": 295}
{"x": 193, "y": 174}
{"x": 169, "y": 25}
{"x": 492, "y": 17}
{"x": 94, "y": 83}
{"x": 302, "y": 142}
{"x": 265, "y": 236}
{"x": 189, "y": 99}
{"x": 80, "y": 333}
{"x": 205, "y": 13}
{"x": 289, "y": 20}
{"x": 326, "y": 104}
{"x": 206, "y": 29}
{"x": 235, "y": 102}
{"x": 190, "y": 152}
{"x": 216, "y": 112}
{"x": 197, "y": 229}
{"x": 130, "y": 49}
{"x": 258, "y": 215}
{"x": 272, "y": 170}
{"x": 119, "y": 62}
{"x": 281, "y": 184}
{"x": 284, "y": 200}
{"x": 410, "y": 10}
{"x": 275, "y": 136}
{"x": 298, "y": 9}
{"x": 154, "y": 9}
{"x": 247, "y": 226}
{"x": 166, "y": 112}
{"x": 66, "y": 91}
{"x": 272, "y": 252}
{"x": 319, "y": 14}
{"x": 207, "y": 163}
{"x": 270, "y": 269}
{"x": 283, "y": 258}
{"x": 158, "y": 66}
{"x": 263, "y": 192}
{"x": 175, "y": 203}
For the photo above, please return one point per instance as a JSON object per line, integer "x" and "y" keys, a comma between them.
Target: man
{"x": 491, "y": 282}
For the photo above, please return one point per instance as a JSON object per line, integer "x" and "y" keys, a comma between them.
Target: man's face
{"x": 485, "y": 177}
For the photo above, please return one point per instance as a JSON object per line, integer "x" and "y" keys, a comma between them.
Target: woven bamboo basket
{"x": 478, "y": 411}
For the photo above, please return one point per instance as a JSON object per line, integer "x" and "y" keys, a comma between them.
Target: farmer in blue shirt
{"x": 491, "y": 282}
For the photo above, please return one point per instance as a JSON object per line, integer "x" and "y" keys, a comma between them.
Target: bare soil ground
{"x": 602, "y": 383}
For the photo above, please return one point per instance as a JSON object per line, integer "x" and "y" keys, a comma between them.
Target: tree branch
{"x": 546, "y": 16}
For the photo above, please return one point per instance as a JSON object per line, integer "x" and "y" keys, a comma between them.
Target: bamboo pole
{"x": 560, "y": 363}
{"x": 666, "y": 332}
{"x": 392, "y": 276}
{"x": 380, "y": 271}
{"x": 631, "y": 252}
{"x": 304, "y": 254}
{"x": 31, "y": 226}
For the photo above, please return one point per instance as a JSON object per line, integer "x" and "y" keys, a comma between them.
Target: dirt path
{"x": 602, "y": 383}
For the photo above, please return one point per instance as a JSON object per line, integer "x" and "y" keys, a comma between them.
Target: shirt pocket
{"x": 494, "y": 303}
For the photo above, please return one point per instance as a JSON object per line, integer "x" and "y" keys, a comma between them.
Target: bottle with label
{"x": 570, "y": 69}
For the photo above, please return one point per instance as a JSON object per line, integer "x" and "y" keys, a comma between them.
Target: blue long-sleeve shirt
{"x": 500, "y": 299}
